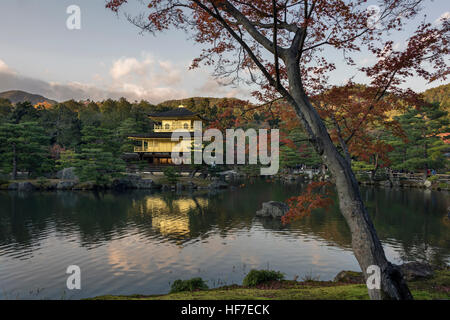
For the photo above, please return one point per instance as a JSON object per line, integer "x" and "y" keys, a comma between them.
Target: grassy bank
{"x": 437, "y": 287}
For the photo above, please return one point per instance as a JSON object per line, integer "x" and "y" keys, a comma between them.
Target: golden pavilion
{"x": 156, "y": 147}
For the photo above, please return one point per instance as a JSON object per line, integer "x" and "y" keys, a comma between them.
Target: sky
{"x": 109, "y": 58}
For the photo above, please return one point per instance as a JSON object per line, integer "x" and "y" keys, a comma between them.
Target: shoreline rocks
{"x": 67, "y": 174}
{"x": 218, "y": 184}
{"x": 347, "y": 276}
{"x": 133, "y": 181}
{"x": 416, "y": 270}
{"x": 411, "y": 271}
{"x": 65, "y": 185}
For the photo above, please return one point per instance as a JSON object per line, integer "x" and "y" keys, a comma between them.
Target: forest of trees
{"x": 92, "y": 136}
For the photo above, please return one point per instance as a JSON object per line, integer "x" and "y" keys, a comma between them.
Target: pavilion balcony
{"x": 153, "y": 149}
{"x": 159, "y": 149}
{"x": 168, "y": 128}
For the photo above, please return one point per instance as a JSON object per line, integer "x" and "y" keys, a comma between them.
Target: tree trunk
{"x": 14, "y": 170}
{"x": 192, "y": 174}
{"x": 375, "y": 169}
{"x": 365, "y": 242}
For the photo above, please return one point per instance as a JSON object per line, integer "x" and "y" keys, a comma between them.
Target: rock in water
{"x": 273, "y": 209}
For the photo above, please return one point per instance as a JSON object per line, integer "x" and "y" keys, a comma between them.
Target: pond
{"x": 140, "y": 242}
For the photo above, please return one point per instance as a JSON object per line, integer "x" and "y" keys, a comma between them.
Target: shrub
{"x": 171, "y": 175}
{"x": 442, "y": 185}
{"x": 188, "y": 285}
{"x": 41, "y": 181}
{"x": 310, "y": 277}
{"x": 255, "y": 277}
{"x": 3, "y": 181}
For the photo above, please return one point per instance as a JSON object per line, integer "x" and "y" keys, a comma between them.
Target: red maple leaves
{"x": 317, "y": 195}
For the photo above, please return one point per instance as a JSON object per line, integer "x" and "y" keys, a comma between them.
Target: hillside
{"x": 439, "y": 95}
{"x": 208, "y": 107}
{"x": 196, "y": 102}
{"x": 16, "y": 96}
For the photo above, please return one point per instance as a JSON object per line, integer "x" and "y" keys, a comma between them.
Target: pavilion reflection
{"x": 169, "y": 216}
{"x": 411, "y": 222}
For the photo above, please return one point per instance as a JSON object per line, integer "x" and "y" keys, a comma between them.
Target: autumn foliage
{"x": 317, "y": 195}
{"x": 255, "y": 41}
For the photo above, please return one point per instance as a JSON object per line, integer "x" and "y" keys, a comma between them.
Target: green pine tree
{"x": 424, "y": 148}
{"x": 24, "y": 147}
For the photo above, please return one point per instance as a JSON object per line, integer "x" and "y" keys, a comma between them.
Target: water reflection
{"x": 140, "y": 241}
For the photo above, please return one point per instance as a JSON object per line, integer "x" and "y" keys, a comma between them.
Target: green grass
{"x": 255, "y": 277}
{"x": 437, "y": 287}
{"x": 191, "y": 285}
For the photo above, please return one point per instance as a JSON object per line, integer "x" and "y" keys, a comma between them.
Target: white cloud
{"x": 134, "y": 78}
{"x": 366, "y": 61}
{"x": 444, "y": 16}
{"x": 399, "y": 45}
{"x": 213, "y": 87}
{"x": 80, "y": 91}
{"x": 170, "y": 75}
{"x": 4, "y": 68}
{"x": 129, "y": 66}
{"x": 147, "y": 78}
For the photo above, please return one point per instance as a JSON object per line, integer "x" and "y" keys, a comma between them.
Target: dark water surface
{"x": 140, "y": 242}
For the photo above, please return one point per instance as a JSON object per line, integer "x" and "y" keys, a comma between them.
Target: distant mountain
{"x": 16, "y": 96}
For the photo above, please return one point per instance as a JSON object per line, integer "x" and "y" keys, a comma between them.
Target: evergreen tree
{"x": 98, "y": 159}
{"x": 130, "y": 126}
{"x": 23, "y": 112}
{"x": 298, "y": 150}
{"x": 90, "y": 115}
{"x": 424, "y": 148}
{"x": 24, "y": 147}
{"x": 5, "y": 109}
{"x": 62, "y": 125}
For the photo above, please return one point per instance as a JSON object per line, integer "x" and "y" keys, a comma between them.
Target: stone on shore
{"x": 349, "y": 277}
{"x": 411, "y": 271}
{"x": 25, "y": 186}
{"x": 13, "y": 186}
{"x": 67, "y": 174}
{"x": 427, "y": 184}
{"x": 65, "y": 185}
{"x": 218, "y": 185}
{"x": 122, "y": 184}
{"x": 132, "y": 181}
{"x": 416, "y": 270}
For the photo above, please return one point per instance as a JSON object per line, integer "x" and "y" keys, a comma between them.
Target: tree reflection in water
{"x": 137, "y": 242}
